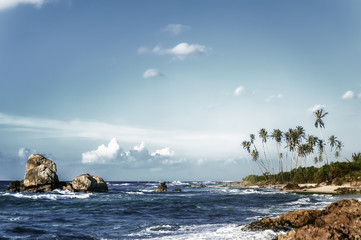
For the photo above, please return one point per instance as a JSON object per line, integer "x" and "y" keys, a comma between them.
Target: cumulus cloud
{"x": 7, "y": 4}
{"x": 238, "y": 91}
{"x": 348, "y": 95}
{"x": 316, "y": 107}
{"x": 274, "y": 97}
{"x": 151, "y": 72}
{"x": 103, "y": 153}
{"x": 166, "y": 152}
{"x": 176, "y": 29}
{"x": 136, "y": 157}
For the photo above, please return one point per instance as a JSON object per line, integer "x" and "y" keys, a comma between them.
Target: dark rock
{"x": 293, "y": 219}
{"x": 14, "y": 186}
{"x": 177, "y": 190}
{"x": 340, "y": 220}
{"x": 291, "y": 186}
{"x": 89, "y": 183}
{"x": 161, "y": 188}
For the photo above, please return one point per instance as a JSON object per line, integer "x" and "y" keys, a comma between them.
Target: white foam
{"x": 55, "y": 195}
{"x": 136, "y": 193}
{"x": 203, "y": 232}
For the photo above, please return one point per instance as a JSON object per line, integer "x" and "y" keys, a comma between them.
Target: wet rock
{"x": 177, "y": 190}
{"x": 89, "y": 183}
{"x": 161, "y": 188}
{"x": 293, "y": 219}
{"x": 14, "y": 186}
{"x": 340, "y": 220}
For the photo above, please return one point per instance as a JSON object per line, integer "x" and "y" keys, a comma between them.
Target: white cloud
{"x": 176, "y": 29}
{"x": 103, "y": 153}
{"x": 238, "y": 91}
{"x": 7, "y": 4}
{"x": 138, "y": 157}
{"x": 273, "y": 97}
{"x": 316, "y": 107}
{"x": 166, "y": 152}
{"x": 24, "y": 153}
{"x": 216, "y": 144}
{"x": 359, "y": 95}
{"x": 181, "y": 51}
{"x": 348, "y": 95}
{"x": 151, "y": 72}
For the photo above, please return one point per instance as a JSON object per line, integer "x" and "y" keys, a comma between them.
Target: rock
{"x": 161, "y": 188}
{"x": 340, "y": 220}
{"x": 177, "y": 190}
{"x": 293, "y": 219}
{"x": 14, "y": 186}
{"x": 291, "y": 186}
{"x": 40, "y": 176}
{"x": 89, "y": 183}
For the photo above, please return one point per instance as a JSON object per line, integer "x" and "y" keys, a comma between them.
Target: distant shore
{"x": 344, "y": 188}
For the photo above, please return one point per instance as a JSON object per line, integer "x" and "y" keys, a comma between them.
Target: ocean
{"x": 130, "y": 210}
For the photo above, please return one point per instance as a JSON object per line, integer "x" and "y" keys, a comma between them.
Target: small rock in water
{"x": 161, "y": 188}
{"x": 177, "y": 190}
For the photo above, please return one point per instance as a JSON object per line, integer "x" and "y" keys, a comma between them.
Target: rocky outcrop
{"x": 161, "y": 188}
{"x": 340, "y": 220}
{"x": 40, "y": 176}
{"x": 89, "y": 183}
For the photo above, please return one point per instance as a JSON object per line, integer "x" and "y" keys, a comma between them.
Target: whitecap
{"x": 55, "y": 195}
{"x": 203, "y": 232}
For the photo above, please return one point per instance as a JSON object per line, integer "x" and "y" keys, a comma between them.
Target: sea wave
{"x": 55, "y": 195}
{"x": 202, "y": 232}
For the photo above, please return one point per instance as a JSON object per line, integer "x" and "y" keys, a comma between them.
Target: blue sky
{"x": 167, "y": 90}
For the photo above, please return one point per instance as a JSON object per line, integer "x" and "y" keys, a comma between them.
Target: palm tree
{"x": 277, "y": 136}
{"x": 263, "y": 134}
{"x": 332, "y": 141}
{"x": 320, "y": 124}
{"x": 247, "y": 147}
{"x": 339, "y": 146}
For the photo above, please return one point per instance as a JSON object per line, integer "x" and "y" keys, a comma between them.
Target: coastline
{"x": 312, "y": 188}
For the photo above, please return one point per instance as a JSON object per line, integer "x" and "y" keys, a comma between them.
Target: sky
{"x": 168, "y": 90}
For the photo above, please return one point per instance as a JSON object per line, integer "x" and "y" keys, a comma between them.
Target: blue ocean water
{"x": 130, "y": 210}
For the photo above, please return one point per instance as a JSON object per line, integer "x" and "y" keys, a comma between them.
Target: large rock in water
{"x": 340, "y": 220}
{"x": 89, "y": 183}
{"x": 40, "y": 175}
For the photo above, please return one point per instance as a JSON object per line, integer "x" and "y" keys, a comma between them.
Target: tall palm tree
{"x": 263, "y": 134}
{"x": 332, "y": 141}
{"x": 320, "y": 124}
{"x": 277, "y": 136}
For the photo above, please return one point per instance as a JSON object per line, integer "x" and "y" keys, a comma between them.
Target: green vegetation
{"x": 300, "y": 157}
{"x": 333, "y": 173}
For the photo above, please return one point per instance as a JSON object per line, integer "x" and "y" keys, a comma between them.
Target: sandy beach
{"x": 327, "y": 189}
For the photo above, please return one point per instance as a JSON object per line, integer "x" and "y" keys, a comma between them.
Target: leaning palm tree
{"x": 320, "y": 124}
{"x": 263, "y": 134}
{"x": 247, "y": 147}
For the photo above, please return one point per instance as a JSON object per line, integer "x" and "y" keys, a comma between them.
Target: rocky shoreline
{"x": 340, "y": 220}
{"x": 40, "y": 176}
